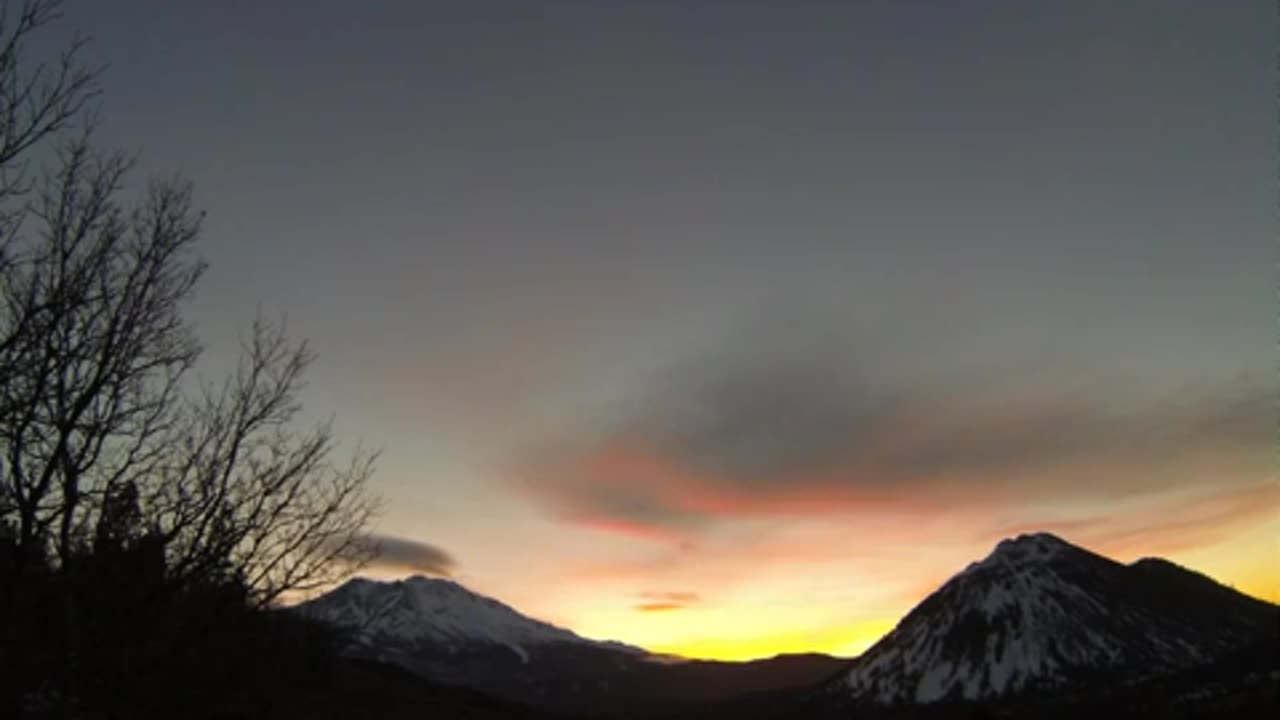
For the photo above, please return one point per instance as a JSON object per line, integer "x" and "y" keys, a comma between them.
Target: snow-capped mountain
{"x": 1040, "y": 614}
{"x": 447, "y": 634}
{"x": 393, "y": 617}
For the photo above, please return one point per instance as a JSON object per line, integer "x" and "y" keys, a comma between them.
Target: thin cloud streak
{"x": 1170, "y": 525}
{"x": 660, "y": 606}
{"x": 666, "y": 601}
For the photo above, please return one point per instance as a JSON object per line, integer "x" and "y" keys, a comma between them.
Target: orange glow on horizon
{"x": 758, "y": 618}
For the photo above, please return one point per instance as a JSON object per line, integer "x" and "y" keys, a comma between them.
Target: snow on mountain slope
{"x": 1040, "y": 614}
{"x": 420, "y": 611}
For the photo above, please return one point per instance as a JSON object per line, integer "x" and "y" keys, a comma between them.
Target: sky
{"x": 735, "y": 328}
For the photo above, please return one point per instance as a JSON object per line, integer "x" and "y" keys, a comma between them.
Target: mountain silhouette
{"x": 1040, "y": 614}
{"x": 1038, "y": 623}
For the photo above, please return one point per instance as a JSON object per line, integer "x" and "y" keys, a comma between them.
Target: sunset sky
{"x": 735, "y": 328}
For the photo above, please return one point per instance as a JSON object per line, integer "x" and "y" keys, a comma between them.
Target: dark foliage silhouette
{"x": 148, "y": 521}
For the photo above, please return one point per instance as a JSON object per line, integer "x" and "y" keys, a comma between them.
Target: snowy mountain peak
{"x": 1030, "y": 547}
{"x": 1039, "y": 613}
{"x": 1027, "y": 551}
{"x": 1040, "y": 542}
{"x": 421, "y": 611}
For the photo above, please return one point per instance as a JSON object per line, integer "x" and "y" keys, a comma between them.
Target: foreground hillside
{"x": 365, "y": 689}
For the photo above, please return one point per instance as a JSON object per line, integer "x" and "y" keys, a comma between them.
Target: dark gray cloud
{"x": 406, "y": 554}
{"x": 785, "y": 392}
{"x": 758, "y": 423}
{"x": 783, "y": 423}
{"x": 776, "y": 425}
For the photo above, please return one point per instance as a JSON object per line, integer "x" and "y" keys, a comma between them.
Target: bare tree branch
{"x": 95, "y": 355}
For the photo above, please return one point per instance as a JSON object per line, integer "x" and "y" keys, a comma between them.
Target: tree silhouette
{"x": 115, "y": 465}
{"x": 95, "y": 354}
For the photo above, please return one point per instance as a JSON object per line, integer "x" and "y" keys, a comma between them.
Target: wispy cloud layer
{"x": 804, "y": 430}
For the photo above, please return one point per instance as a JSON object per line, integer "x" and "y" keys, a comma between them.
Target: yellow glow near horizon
{"x": 752, "y": 625}
{"x": 841, "y": 642}
{"x": 774, "y": 608}
{"x": 735, "y": 633}
{"x": 1248, "y": 561}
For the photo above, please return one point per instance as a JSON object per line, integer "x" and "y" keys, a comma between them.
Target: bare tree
{"x": 94, "y": 343}
{"x": 96, "y": 360}
{"x": 113, "y": 458}
{"x": 37, "y": 100}
{"x": 242, "y": 492}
